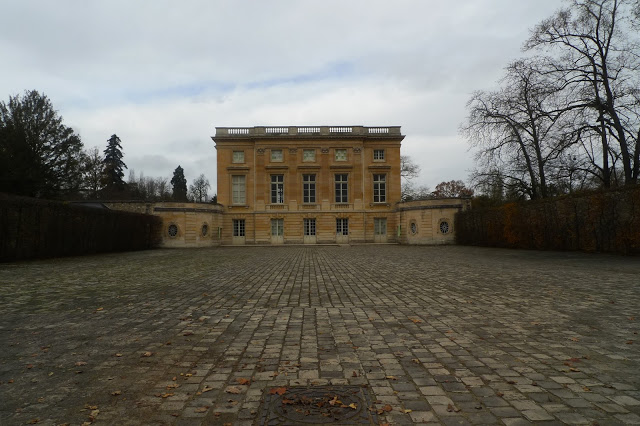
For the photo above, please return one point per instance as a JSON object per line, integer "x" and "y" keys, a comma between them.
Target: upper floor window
{"x": 277, "y": 189}
{"x": 238, "y": 157}
{"x": 308, "y": 188}
{"x": 238, "y": 194}
{"x": 378, "y": 155}
{"x": 309, "y": 155}
{"x": 341, "y": 155}
{"x": 379, "y": 188}
{"x": 276, "y": 155}
{"x": 342, "y": 183}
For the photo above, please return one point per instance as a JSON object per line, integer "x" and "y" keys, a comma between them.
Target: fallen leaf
{"x": 206, "y": 389}
{"x": 353, "y": 406}
{"x": 387, "y": 408}
{"x": 586, "y": 389}
{"x": 118, "y": 355}
{"x": 91, "y": 407}
{"x": 629, "y": 342}
{"x": 99, "y": 309}
{"x": 354, "y": 374}
{"x": 416, "y": 361}
{"x": 575, "y": 370}
{"x": 234, "y": 390}
{"x": 407, "y": 411}
{"x": 286, "y": 401}
{"x": 335, "y": 401}
{"x": 187, "y": 333}
{"x": 201, "y": 409}
{"x": 80, "y": 363}
{"x": 29, "y": 366}
{"x": 278, "y": 391}
{"x": 391, "y": 378}
{"x": 146, "y": 354}
{"x": 243, "y": 381}
{"x": 116, "y": 393}
{"x": 575, "y": 339}
{"x": 452, "y": 408}
{"x": 34, "y": 421}
{"x": 173, "y": 386}
{"x": 415, "y": 320}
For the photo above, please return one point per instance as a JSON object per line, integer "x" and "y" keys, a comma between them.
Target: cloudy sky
{"x": 163, "y": 74}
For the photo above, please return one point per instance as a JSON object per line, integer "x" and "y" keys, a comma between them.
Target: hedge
{"x": 34, "y": 228}
{"x": 605, "y": 221}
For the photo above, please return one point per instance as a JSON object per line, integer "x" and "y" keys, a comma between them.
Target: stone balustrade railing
{"x": 308, "y": 130}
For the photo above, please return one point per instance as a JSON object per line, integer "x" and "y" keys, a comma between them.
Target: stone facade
{"x": 311, "y": 185}
{"x": 306, "y": 185}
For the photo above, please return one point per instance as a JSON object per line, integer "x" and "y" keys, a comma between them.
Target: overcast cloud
{"x": 162, "y": 75}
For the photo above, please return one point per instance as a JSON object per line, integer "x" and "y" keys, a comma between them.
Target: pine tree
{"x": 179, "y": 183}
{"x": 113, "y": 165}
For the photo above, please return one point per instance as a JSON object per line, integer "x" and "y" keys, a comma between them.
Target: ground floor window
{"x": 380, "y": 226}
{"x": 309, "y": 227}
{"x": 342, "y": 226}
{"x": 238, "y": 227}
{"x": 277, "y": 227}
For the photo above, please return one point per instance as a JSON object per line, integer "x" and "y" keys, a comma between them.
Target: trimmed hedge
{"x": 607, "y": 221}
{"x": 34, "y": 228}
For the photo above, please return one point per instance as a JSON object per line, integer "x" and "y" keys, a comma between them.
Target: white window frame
{"x": 312, "y": 158}
{"x": 239, "y": 228}
{"x": 309, "y": 189}
{"x": 379, "y": 188}
{"x": 340, "y": 150}
{"x": 380, "y": 225}
{"x": 277, "y": 227}
{"x": 237, "y": 157}
{"x": 238, "y": 189}
{"x": 277, "y": 156}
{"x": 342, "y": 226}
{"x": 309, "y": 226}
{"x": 277, "y": 189}
{"x": 341, "y": 188}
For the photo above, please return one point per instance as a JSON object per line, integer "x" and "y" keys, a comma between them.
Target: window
{"x": 380, "y": 226}
{"x": 379, "y": 188}
{"x": 309, "y": 227}
{"x": 277, "y": 189}
{"x": 276, "y": 155}
{"x": 444, "y": 227}
{"x": 378, "y": 155}
{"x": 414, "y": 228}
{"x": 308, "y": 188}
{"x": 238, "y": 157}
{"x": 238, "y": 227}
{"x": 341, "y": 155}
{"x": 277, "y": 227}
{"x": 342, "y": 195}
{"x": 238, "y": 195}
{"x": 309, "y": 155}
{"x": 342, "y": 226}
{"x": 173, "y": 230}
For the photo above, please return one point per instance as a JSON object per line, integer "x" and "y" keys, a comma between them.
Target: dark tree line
{"x": 41, "y": 157}
{"x": 568, "y": 116}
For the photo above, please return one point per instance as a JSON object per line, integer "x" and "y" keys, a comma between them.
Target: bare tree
{"x": 596, "y": 58}
{"x": 516, "y": 130}
{"x": 92, "y": 172}
{"x": 199, "y": 189}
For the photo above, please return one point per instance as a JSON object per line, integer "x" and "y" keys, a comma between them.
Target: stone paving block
{"x": 492, "y": 332}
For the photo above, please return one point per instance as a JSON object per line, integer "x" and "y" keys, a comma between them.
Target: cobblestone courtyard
{"x": 451, "y": 335}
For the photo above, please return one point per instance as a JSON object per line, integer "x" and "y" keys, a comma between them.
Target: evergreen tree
{"x": 113, "y": 165}
{"x": 179, "y": 183}
{"x": 39, "y": 156}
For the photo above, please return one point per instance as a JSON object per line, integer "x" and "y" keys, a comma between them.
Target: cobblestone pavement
{"x": 450, "y": 335}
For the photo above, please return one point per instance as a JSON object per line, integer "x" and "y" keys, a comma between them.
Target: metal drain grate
{"x": 316, "y": 405}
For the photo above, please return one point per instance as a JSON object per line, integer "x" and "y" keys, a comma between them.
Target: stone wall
{"x": 429, "y": 221}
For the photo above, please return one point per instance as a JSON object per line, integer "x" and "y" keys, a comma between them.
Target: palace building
{"x": 306, "y": 185}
